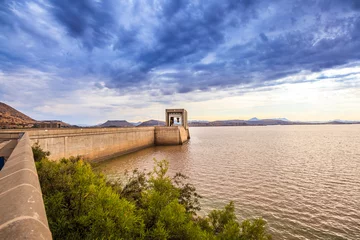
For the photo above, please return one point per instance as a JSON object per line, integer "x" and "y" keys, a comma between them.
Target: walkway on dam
{"x": 22, "y": 208}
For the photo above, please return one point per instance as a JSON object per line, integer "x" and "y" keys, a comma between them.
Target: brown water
{"x": 304, "y": 180}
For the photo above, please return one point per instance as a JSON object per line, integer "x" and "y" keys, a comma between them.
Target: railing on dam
{"x": 22, "y": 208}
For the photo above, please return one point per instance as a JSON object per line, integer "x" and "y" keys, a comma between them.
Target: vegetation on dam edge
{"x": 82, "y": 204}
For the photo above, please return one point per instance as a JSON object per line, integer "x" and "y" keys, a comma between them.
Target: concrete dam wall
{"x": 93, "y": 143}
{"x": 22, "y": 208}
{"x": 100, "y": 143}
{"x": 171, "y": 135}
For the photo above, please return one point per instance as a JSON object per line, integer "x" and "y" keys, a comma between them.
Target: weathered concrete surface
{"x": 93, "y": 144}
{"x": 7, "y": 147}
{"x": 170, "y": 135}
{"x": 22, "y": 208}
{"x": 184, "y": 134}
{"x": 6, "y": 135}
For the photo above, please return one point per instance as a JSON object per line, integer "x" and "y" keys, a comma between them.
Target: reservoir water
{"x": 303, "y": 180}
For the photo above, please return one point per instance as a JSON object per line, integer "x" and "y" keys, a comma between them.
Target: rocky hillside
{"x": 12, "y": 117}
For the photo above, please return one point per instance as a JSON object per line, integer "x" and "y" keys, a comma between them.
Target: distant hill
{"x": 116, "y": 123}
{"x": 198, "y": 121}
{"x": 82, "y": 125}
{"x": 268, "y": 122}
{"x": 152, "y": 123}
{"x": 282, "y": 119}
{"x": 11, "y": 117}
{"x": 343, "y": 121}
{"x": 228, "y": 123}
{"x": 253, "y": 119}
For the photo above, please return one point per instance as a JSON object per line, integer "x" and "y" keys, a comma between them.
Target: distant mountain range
{"x": 12, "y": 118}
{"x": 344, "y": 121}
{"x": 263, "y": 122}
{"x": 204, "y": 123}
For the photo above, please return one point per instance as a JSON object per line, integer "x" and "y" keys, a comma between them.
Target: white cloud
{"x": 211, "y": 57}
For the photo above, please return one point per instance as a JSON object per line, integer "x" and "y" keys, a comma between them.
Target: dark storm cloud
{"x": 178, "y": 46}
{"x": 90, "y": 21}
{"x": 263, "y": 37}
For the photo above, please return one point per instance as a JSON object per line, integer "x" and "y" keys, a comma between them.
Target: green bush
{"x": 39, "y": 153}
{"x": 81, "y": 204}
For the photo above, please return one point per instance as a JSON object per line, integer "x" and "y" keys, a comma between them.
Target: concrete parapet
{"x": 3, "y": 145}
{"x": 22, "y": 208}
{"x": 5, "y": 135}
{"x": 6, "y": 148}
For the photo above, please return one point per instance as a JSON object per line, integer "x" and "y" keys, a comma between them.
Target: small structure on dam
{"x": 176, "y": 117}
{"x": 176, "y": 131}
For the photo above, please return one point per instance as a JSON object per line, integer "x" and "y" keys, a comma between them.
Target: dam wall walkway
{"x": 22, "y": 208}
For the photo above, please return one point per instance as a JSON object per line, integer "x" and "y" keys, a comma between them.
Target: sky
{"x": 88, "y": 61}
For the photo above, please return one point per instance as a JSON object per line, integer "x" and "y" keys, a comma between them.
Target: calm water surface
{"x": 304, "y": 180}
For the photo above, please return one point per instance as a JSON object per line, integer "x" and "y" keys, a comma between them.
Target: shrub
{"x": 39, "y": 153}
{"x": 80, "y": 204}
